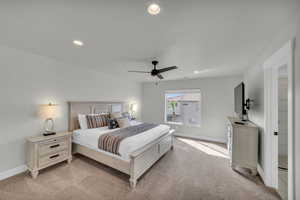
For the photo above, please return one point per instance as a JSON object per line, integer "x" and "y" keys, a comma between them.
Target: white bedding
{"x": 89, "y": 138}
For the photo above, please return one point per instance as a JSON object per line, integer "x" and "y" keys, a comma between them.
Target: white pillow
{"x": 82, "y": 121}
{"x": 123, "y": 122}
{"x": 116, "y": 115}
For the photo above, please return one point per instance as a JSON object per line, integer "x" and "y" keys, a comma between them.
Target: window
{"x": 183, "y": 107}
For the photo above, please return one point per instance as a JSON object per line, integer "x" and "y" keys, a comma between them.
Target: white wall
{"x": 254, "y": 81}
{"x": 27, "y": 80}
{"x": 217, "y": 104}
{"x": 297, "y": 113}
{"x": 254, "y": 86}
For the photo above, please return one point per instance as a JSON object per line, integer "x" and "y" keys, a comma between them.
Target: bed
{"x": 137, "y": 153}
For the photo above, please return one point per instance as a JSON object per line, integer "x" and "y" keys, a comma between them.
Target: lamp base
{"x": 49, "y": 133}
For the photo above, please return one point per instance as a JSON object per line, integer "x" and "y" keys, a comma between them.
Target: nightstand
{"x": 44, "y": 151}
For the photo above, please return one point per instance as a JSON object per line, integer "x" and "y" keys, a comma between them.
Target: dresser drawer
{"x": 52, "y": 158}
{"x": 53, "y": 146}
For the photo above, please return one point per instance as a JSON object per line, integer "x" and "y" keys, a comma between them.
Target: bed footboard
{"x": 140, "y": 160}
{"x": 144, "y": 158}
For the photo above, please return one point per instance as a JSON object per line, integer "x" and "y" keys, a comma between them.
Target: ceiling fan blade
{"x": 160, "y": 76}
{"x": 167, "y": 69}
{"x": 140, "y": 72}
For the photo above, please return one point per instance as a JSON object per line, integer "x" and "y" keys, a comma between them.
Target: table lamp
{"x": 48, "y": 113}
{"x": 133, "y": 110}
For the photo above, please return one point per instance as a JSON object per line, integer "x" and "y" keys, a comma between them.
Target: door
{"x": 283, "y": 57}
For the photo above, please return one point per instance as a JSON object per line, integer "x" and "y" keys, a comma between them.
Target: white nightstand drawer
{"x": 52, "y": 158}
{"x": 51, "y": 147}
{"x": 53, "y": 140}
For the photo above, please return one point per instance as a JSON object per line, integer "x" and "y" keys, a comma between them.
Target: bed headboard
{"x": 81, "y": 107}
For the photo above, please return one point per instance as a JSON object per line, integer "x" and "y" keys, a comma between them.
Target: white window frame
{"x": 183, "y": 91}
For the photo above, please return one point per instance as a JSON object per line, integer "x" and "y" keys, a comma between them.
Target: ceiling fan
{"x": 156, "y": 72}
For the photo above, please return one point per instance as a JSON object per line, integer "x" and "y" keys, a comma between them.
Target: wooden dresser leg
{"x": 132, "y": 183}
{"x": 34, "y": 174}
{"x": 70, "y": 160}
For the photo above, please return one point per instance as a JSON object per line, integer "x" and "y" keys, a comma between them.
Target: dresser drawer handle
{"x": 54, "y": 146}
{"x": 54, "y": 156}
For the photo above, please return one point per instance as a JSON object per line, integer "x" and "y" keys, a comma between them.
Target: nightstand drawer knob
{"x": 54, "y": 146}
{"x": 54, "y": 156}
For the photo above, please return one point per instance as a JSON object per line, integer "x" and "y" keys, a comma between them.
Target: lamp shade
{"x": 48, "y": 111}
{"x": 134, "y": 107}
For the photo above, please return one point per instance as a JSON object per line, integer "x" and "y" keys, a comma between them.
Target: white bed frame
{"x": 140, "y": 160}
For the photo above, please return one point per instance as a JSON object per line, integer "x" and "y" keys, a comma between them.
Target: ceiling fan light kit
{"x": 155, "y": 71}
{"x": 153, "y": 8}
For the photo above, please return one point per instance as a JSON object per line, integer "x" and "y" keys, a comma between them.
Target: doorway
{"x": 279, "y": 121}
{"x": 283, "y": 132}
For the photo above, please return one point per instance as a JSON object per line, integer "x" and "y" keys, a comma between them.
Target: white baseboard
{"x": 201, "y": 138}
{"x": 261, "y": 173}
{"x": 12, "y": 172}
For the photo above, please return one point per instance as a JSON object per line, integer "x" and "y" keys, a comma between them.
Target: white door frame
{"x": 284, "y": 56}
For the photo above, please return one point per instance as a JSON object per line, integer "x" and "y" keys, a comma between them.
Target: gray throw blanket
{"x": 111, "y": 141}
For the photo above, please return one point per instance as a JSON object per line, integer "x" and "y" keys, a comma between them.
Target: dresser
{"x": 243, "y": 144}
{"x": 44, "y": 151}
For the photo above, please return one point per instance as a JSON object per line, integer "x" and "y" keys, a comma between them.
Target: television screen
{"x": 239, "y": 98}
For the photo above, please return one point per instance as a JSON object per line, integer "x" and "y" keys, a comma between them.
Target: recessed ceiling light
{"x": 196, "y": 72}
{"x": 153, "y": 9}
{"x": 78, "y": 43}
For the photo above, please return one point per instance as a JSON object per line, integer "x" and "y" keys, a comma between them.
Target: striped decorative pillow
{"x": 97, "y": 120}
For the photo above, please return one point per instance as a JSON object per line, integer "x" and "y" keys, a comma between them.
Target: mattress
{"x": 89, "y": 138}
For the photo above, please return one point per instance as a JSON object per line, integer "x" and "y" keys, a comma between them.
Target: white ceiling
{"x": 216, "y": 37}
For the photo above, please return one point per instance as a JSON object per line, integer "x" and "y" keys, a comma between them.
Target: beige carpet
{"x": 192, "y": 171}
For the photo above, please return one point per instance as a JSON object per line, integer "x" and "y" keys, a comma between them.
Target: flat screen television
{"x": 239, "y": 99}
